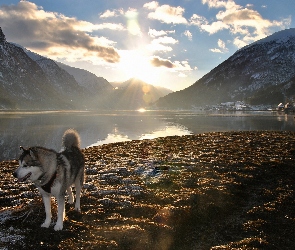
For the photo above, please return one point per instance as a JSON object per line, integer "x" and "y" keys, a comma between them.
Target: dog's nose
{"x": 14, "y": 174}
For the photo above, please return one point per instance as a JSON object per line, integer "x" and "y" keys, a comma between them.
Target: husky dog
{"x": 54, "y": 173}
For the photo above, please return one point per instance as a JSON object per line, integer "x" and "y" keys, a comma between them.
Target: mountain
{"x": 85, "y": 88}
{"x": 134, "y": 94}
{"x": 23, "y": 83}
{"x": 260, "y": 73}
{"x": 61, "y": 81}
{"x": 31, "y": 81}
{"x": 87, "y": 79}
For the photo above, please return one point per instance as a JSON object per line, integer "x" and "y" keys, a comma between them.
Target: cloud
{"x": 188, "y": 34}
{"x": 243, "y": 20}
{"x": 246, "y": 23}
{"x": 176, "y": 66}
{"x": 111, "y": 26}
{"x": 239, "y": 43}
{"x": 159, "y": 44}
{"x": 229, "y": 4}
{"x": 113, "y": 13}
{"x": 155, "y": 33}
{"x": 215, "y": 50}
{"x": 198, "y": 20}
{"x": 158, "y": 62}
{"x": 166, "y": 40}
{"x": 165, "y": 13}
{"x": 131, "y": 16}
{"x": 204, "y": 24}
{"x": 221, "y": 47}
{"x": 214, "y": 27}
{"x": 108, "y": 14}
{"x": 159, "y": 47}
{"x": 151, "y": 5}
{"x": 182, "y": 66}
{"x": 221, "y": 44}
{"x": 48, "y": 32}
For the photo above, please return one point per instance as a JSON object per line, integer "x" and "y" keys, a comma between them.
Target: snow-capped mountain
{"x": 260, "y": 73}
{"x": 31, "y": 81}
{"x": 19, "y": 78}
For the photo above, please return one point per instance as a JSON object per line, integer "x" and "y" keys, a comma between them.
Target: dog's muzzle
{"x": 21, "y": 179}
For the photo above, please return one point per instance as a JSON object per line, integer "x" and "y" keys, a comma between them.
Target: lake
{"x": 45, "y": 128}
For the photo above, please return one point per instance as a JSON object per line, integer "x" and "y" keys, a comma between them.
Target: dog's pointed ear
{"x": 32, "y": 153}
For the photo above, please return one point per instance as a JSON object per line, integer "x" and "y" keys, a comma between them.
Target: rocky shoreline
{"x": 229, "y": 190}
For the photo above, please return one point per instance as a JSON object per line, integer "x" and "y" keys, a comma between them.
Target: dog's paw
{"x": 46, "y": 224}
{"x": 58, "y": 227}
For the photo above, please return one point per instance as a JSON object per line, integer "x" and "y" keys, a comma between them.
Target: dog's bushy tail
{"x": 71, "y": 139}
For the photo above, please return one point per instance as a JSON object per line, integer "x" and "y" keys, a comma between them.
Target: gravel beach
{"x": 227, "y": 190}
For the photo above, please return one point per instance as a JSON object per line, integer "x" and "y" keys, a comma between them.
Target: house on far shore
{"x": 238, "y": 105}
{"x": 281, "y": 107}
{"x": 288, "y": 107}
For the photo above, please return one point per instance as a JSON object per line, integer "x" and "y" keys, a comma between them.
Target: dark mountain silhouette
{"x": 23, "y": 83}
{"x": 260, "y": 73}
{"x": 134, "y": 94}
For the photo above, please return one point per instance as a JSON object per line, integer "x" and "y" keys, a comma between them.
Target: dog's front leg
{"x": 60, "y": 213}
{"x": 47, "y": 205}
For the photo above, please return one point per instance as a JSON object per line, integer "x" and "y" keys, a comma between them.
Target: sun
{"x": 141, "y": 110}
{"x": 135, "y": 64}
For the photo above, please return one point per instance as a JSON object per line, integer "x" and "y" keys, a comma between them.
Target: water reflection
{"x": 96, "y": 128}
{"x": 169, "y": 130}
{"x": 111, "y": 138}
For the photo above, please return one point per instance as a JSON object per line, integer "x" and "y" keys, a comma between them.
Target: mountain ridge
{"x": 163, "y": 90}
{"x": 86, "y": 79}
{"x": 264, "y": 68}
{"x": 17, "y": 84}
{"x": 31, "y": 81}
{"x": 134, "y": 94}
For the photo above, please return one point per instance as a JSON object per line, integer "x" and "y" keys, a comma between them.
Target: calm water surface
{"x": 96, "y": 128}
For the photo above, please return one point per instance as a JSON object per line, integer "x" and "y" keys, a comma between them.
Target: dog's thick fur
{"x": 54, "y": 173}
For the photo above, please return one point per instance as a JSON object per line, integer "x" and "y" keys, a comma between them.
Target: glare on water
{"x": 102, "y": 127}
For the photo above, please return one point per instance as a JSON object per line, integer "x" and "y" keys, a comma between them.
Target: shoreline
{"x": 218, "y": 190}
{"x": 91, "y": 149}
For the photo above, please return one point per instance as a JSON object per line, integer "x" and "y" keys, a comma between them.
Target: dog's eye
{"x": 25, "y": 165}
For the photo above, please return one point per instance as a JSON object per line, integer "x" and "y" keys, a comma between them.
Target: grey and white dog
{"x": 54, "y": 174}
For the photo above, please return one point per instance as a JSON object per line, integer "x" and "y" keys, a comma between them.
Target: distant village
{"x": 288, "y": 107}
{"x": 242, "y": 106}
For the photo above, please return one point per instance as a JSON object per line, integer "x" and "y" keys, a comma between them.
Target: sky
{"x": 166, "y": 43}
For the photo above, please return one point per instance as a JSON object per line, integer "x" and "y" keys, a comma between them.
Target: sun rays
{"x": 135, "y": 64}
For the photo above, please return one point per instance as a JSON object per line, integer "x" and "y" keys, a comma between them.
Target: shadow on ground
{"x": 232, "y": 190}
